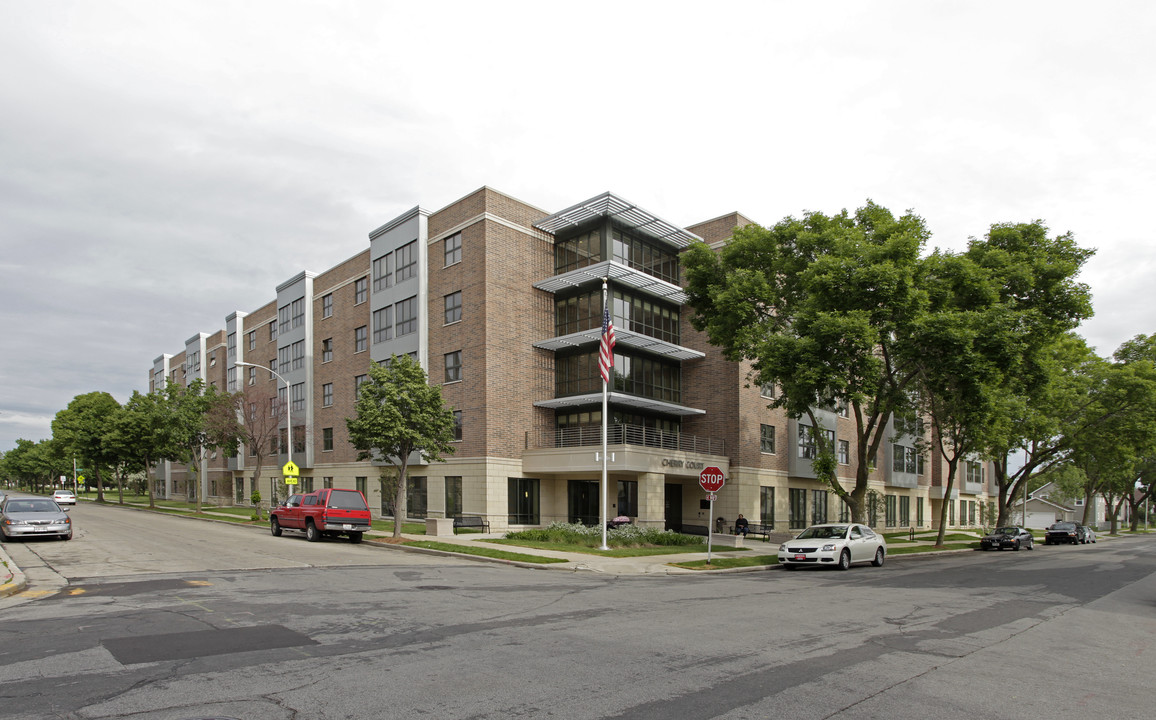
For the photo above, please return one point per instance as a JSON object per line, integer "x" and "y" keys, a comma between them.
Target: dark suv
{"x": 1062, "y": 532}
{"x": 323, "y": 513}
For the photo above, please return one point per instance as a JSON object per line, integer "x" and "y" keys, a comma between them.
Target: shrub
{"x": 623, "y": 536}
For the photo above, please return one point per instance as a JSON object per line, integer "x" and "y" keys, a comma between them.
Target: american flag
{"x": 606, "y": 347}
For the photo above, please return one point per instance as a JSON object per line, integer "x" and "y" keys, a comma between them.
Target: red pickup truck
{"x": 323, "y": 513}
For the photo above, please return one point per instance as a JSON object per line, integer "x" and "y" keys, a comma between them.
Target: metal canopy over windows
{"x": 621, "y": 400}
{"x": 620, "y": 274}
{"x": 626, "y": 213}
{"x": 625, "y": 338}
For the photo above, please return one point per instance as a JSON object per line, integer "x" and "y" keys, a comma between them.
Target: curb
{"x": 14, "y": 580}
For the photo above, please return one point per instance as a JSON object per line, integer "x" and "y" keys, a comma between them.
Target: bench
{"x": 757, "y": 529}
{"x": 471, "y": 522}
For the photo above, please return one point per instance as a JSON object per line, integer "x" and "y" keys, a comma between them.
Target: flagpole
{"x": 605, "y": 414}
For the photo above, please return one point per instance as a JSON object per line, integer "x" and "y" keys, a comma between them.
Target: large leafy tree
{"x": 398, "y": 414}
{"x": 820, "y": 305}
{"x": 143, "y": 430}
{"x": 200, "y": 418}
{"x": 35, "y": 464}
{"x": 80, "y": 429}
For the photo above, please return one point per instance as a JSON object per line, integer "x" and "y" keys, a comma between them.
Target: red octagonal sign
{"x": 711, "y": 479}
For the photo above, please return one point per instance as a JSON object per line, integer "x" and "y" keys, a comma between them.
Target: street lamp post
{"x": 288, "y": 404}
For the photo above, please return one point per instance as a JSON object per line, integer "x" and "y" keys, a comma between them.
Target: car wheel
{"x": 1031, "y": 544}
{"x": 1016, "y": 547}
{"x": 845, "y": 560}
{"x": 312, "y": 534}
{"x": 66, "y": 537}
{"x": 879, "y": 556}
{"x": 354, "y": 538}
{"x": 275, "y": 527}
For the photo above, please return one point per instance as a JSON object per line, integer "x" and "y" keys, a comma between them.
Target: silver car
{"x": 33, "y": 517}
{"x": 836, "y": 544}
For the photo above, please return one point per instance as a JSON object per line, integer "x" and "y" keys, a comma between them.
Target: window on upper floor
{"x": 453, "y": 364}
{"x": 406, "y": 261}
{"x": 360, "y": 339}
{"x": 298, "y": 312}
{"x": 453, "y": 307}
{"x": 360, "y": 290}
{"x": 453, "y": 249}
{"x": 283, "y": 319}
{"x": 383, "y": 272}
{"x": 272, "y": 329}
{"x": 231, "y": 347}
{"x": 327, "y": 395}
{"x": 578, "y": 252}
{"x": 327, "y": 350}
{"x": 298, "y": 397}
{"x": 767, "y": 438}
{"x": 457, "y": 424}
{"x": 383, "y": 324}
{"x": 327, "y": 305}
{"x": 252, "y": 339}
{"x": 298, "y": 354}
{"x": 406, "y": 316}
{"x": 641, "y": 254}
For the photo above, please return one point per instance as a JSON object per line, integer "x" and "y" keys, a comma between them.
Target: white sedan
{"x": 64, "y": 497}
{"x": 838, "y": 544}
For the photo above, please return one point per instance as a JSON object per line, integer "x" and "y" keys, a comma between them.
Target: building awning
{"x": 624, "y": 212}
{"x": 618, "y": 274}
{"x": 622, "y": 337}
{"x": 621, "y": 400}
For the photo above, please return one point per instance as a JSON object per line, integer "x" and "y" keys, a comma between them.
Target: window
{"x": 252, "y": 339}
{"x": 767, "y": 506}
{"x": 283, "y": 320}
{"x": 797, "y": 516}
{"x": 950, "y": 513}
{"x": 454, "y": 366}
{"x": 327, "y": 350}
{"x": 273, "y": 407}
{"x": 360, "y": 290}
{"x": 383, "y": 272}
{"x": 326, "y": 305}
{"x": 873, "y": 508}
{"x": 298, "y": 311}
{"x": 283, "y": 358}
{"x": 406, "y": 319}
{"x": 453, "y": 248}
{"x": 453, "y": 307}
{"x": 905, "y": 460}
{"x": 231, "y": 379}
{"x": 640, "y": 254}
{"x": 327, "y": 482}
{"x": 306, "y": 485}
{"x": 282, "y": 398}
{"x": 844, "y": 452}
{"x": 407, "y": 261}
{"x": 231, "y": 352}
{"x": 359, "y": 339}
{"x": 818, "y": 506}
{"x": 767, "y": 390}
{"x": 457, "y": 424}
{"x": 360, "y": 484}
{"x": 453, "y": 495}
{"x": 628, "y": 498}
{"x": 919, "y": 511}
{"x": 767, "y": 438}
{"x": 383, "y": 324}
{"x": 890, "y": 512}
{"x": 963, "y": 512}
{"x": 357, "y": 383}
{"x": 416, "y": 497}
{"x": 272, "y": 329}
{"x": 194, "y": 363}
{"x": 842, "y": 409}
{"x": 298, "y": 397}
{"x": 298, "y": 354}
{"x": 523, "y": 501}
{"x": 844, "y": 511}
{"x": 327, "y": 395}
{"x": 272, "y": 368}
{"x": 327, "y": 438}
{"x": 904, "y": 511}
{"x": 807, "y": 441}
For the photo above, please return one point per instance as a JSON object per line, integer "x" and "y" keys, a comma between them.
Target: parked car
{"x": 22, "y": 517}
{"x": 64, "y": 497}
{"x": 1007, "y": 537}
{"x": 1062, "y": 532}
{"x": 1087, "y": 534}
{"x": 323, "y": 513}
{"x": 838, "y": 544}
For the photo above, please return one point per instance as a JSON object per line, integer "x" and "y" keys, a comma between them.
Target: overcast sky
{"x": 163, "y": 164}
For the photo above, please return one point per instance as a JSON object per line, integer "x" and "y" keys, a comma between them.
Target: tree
{"x": 35, "y": 464}
{"x": 818, "y": 306}
{"x": 199, "y": 418}
{"x": 142, "y": 430}
{"x": 399, "y": 413}
{"x": 260, "y": 430}
{"x": 80, "y": 429}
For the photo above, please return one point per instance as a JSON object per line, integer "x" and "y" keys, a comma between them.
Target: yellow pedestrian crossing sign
{"x": 290, "y": 470}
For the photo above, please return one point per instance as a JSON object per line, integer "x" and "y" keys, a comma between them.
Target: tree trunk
{"x": 399, "y": 509}
{"x": 951, "y": 468}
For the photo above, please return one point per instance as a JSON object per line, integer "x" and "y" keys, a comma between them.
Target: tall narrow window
{"x": 382, "y": 324}
{"x": 767, "y": 438}
{"x": 327, "y": 438}
{"x": 797, "y": 510}
{"x": 453, "y": 304}
{"x": 298, "y": 397}
{"x": 406, "y": 316}
{"x": 453, "y": 366}
{"x": 360, "y": 338}
{"x": 327, "y": 395}
{"x": 406, "y": 261}
{"x": 383, "y": 272}
{"x": 327, "y": 305}
{"x": 453, "y": 249}
{"x": 298, "y": 311}
{"x": 457, "y": 424}
{"x": 327, "y": 350}
{"x": 360, "y": 290}
{"x": 767, "y": 506}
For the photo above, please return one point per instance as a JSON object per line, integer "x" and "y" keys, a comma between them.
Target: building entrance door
{"x": 584, "y": 503}
{"x": 673, "y": 507}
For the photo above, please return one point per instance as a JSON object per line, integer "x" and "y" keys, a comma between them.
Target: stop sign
{"x": 711, "y": 479}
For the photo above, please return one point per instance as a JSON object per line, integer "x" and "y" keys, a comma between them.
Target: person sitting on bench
{"x": 741, "y": 526}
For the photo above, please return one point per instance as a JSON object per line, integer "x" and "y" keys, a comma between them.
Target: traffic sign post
{"x": 711, "y": 479}
{"x": 290, "y": 471}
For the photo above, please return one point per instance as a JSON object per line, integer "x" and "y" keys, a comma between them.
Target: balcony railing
{"x": 629, "y": 435}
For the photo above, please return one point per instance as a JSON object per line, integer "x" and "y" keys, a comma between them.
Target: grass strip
{"x": 483, "y": 551}
{"x": 612, "y": 552}
{"x": 932, "y": 548}
{"x": 729, "y": 562}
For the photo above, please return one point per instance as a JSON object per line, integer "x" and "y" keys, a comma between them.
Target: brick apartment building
{"x": 501, "y": 303}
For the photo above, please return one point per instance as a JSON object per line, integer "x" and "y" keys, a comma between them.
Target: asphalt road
{"x": 157, "y": 617}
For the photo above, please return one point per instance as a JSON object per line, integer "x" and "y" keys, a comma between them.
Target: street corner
{"x": 12, "y": 579}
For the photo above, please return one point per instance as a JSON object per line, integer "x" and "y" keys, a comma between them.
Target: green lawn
{"x": 612, "y": 552}
{"x": 483, "y": 551}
